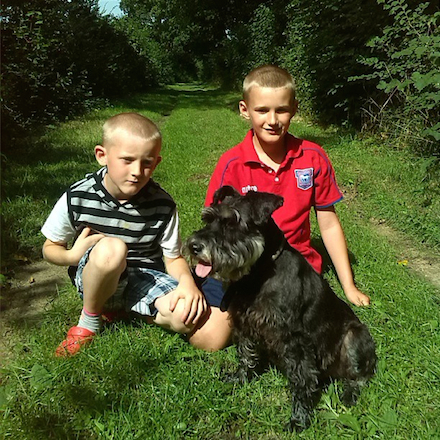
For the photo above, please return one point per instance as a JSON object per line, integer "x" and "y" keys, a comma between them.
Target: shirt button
{"x": 270, "y": 171}
{"x": 277, "y": 179}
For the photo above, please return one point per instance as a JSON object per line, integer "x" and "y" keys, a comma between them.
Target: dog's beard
{"x": 227, "y": 263}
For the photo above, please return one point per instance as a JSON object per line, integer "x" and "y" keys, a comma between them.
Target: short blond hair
{"x": 270, "y": 76}
{"x": 133, "y": 123}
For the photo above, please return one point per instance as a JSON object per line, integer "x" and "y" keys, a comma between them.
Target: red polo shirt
{"x": 305, "y": 178}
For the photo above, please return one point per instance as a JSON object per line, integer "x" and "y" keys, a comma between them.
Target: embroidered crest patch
{"x": 304, "y": 178}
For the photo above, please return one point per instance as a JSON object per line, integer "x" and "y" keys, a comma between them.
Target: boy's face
{"x": 130, "y": 162}
{"x": 270, "y": 111}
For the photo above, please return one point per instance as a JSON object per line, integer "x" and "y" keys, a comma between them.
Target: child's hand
{"x": 195, "y": 303}
{"x": 85, "y": 240}
{"x": 356, "y": 297}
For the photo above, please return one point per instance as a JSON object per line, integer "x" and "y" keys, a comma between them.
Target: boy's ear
{"x": 294, "y": 107}
{"x": 243, "y": 109}
{"x": 101, "y": 155}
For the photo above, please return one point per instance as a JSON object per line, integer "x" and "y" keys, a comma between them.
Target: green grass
{"x": 136, "y": 381}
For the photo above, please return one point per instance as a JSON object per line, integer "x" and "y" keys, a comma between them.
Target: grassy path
{"x": 139, "y": 382}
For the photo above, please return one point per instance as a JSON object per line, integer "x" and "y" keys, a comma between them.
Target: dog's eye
{"x": 208, "y": 215}
{"x": 232, "y": 218}
{"x": 237, "y": 216}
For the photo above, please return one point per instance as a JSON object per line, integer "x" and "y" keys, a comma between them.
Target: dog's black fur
{"x": 284, "y": 313}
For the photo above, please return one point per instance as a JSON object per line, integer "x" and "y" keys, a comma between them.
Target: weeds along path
{"x": 198, "y": 124}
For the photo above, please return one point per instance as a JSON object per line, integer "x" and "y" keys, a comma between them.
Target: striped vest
{"x": 139, "y": 222}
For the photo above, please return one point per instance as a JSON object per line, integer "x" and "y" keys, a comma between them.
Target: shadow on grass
{"x": 25, "y": 308}
{"x": 327, "y": 265}
{"x": 72, "y": 404}
{"x": 324, "y": 136}
{"x": 165, "y": 100}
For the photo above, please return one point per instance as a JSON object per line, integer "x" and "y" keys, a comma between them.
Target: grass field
{"x": 137, "y": 381}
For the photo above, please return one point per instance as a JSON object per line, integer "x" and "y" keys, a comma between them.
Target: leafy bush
{"x": 324, "y": 39}
{"x": 406, "y": 70}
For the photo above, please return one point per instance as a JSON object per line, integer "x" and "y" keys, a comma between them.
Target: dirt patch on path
{"x": 417, "y": 258}
{"x": 24, "y": 302}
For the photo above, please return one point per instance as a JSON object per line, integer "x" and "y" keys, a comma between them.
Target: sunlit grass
{"x": 139, "y": 382}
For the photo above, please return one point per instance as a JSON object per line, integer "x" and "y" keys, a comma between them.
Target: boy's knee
{"x": 213, "y": 333}
{"x": 109, "y": 255}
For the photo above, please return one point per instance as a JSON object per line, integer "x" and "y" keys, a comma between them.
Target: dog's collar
{"x": 279, "y": 250}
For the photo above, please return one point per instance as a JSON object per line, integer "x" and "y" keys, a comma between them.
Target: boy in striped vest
{"x": 126, "y": 245}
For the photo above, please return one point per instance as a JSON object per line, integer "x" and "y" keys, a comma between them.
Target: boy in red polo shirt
{"x": 271, "y": 160}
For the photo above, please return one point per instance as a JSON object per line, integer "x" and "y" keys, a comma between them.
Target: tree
{"x": 57, "y": 55}
{"x": 197, "y": 39}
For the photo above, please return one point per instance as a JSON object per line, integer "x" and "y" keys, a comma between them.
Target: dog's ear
{"x": 264, "y": 205}
{"x": 222, "y": 193}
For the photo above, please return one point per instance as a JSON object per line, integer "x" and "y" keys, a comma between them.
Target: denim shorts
{"x": 137, "y": 290}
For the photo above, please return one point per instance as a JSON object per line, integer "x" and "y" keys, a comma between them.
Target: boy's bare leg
{"x": 213, "y": 333}
{"x": 101, "y": 274}
{"x": 100, "y": 278}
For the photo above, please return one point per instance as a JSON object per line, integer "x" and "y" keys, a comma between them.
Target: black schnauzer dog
{"x": 284, "y": 313}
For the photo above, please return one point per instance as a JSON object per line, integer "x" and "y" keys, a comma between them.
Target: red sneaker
{"x": 76, "y": 337}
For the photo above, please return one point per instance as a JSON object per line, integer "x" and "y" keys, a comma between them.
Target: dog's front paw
{"x": 299, "y": 420}
{"x": 349, "y": 398}
{"x": 240, "y": 376}
{"x": 296, "y": 425}
{"x": 350, "y": 394}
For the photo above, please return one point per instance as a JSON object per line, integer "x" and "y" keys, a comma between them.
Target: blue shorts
{"x": 212, "y": 289}
{"x": 139, "y": 288}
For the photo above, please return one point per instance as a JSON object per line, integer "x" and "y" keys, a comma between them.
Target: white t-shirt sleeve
{"x": 171, "y": 242}
{"x": 57, "y": 227}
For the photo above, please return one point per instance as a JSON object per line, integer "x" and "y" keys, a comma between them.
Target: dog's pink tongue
{"x": 203, "y": 270}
